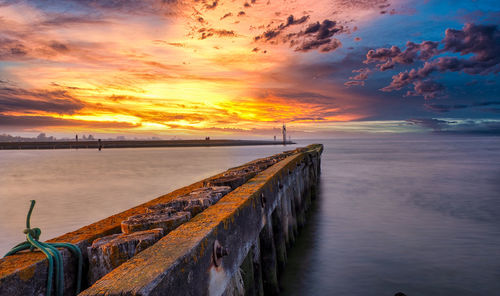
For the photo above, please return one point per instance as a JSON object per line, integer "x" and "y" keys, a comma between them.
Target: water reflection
{"x": 418, "y": 215}
{"x": 74, "y": 188}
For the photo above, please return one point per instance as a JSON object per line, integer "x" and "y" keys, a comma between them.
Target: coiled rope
{"x": 53, "y": 255}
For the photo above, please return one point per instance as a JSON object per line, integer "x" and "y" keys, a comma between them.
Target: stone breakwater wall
{"x": 225, "y": 235}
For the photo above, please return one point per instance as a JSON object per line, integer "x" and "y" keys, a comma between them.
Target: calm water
{"x": 415, "y": 214}
{"x": 74, "y": 188}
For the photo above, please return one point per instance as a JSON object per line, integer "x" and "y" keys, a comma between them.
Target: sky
{"x": 238, "y": 69}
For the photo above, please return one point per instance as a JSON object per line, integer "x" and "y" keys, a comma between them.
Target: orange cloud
{"x": 188, "y": 65}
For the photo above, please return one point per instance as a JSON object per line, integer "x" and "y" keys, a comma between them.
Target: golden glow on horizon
{"x": 155, "y": 73}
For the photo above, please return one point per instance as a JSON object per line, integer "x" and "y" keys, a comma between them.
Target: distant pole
{"x": 275, "y": 138}
{"x": 76, "y": 138}
{"x": 100, "y": 144}
{"x": 284, "y": 134}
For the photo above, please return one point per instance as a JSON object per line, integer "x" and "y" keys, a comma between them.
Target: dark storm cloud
{"x": 42, "y": 121}
{"x": 480, "y": 127}
{"x": 291, "y": 20}
{"x": 388, "y": 57}
{"x": 442, "y": 108}
{"x": 12, "y": 49}
{"x": 26, "y": 49}
{"x": 20, "y": 100}
{"x": 482, "y": 104}
{"x": 226, "y": 15}
{"x": 212, "y": 5}
{"x": 480, "y": 43}
{"x": 322, "y": 30}
{"x": 268, "y": 35}
{"x": 427, "y": 88}
{"x": 430, "y": 123}
{"x": 275, "y": 32}
{"x": 319, "y": 36}
{"x": 58, "y": 46}
{"x": 315, "y": 36}
{"x": 325, "y": 45}
{"x": 206, "y": 33}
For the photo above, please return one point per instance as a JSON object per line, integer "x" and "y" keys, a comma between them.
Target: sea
{"x": 418, "y": 214}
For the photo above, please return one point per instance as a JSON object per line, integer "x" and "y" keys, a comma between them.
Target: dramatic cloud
{"x": 430, "y": 123}
{"x": 20, "y": 100}
{"x": 46, "y": 121}
{"x": 363, "y": 74}
{"x": 206, "y": 33}
{"x": 318, "y": 35}
{"x": 226, "y": 15}
{"x": 388, "y": 57}
{"x": 480, "y": 43}
{"x": 170, "y": 66}
{"x": 468, "y": 126}
{"x": 211, "y": 5}
{"x": 12, "y": 49}
{"x": 427, "y": 88}
{"x": 315, "y": 36}
{"x": 489, "y": 106}
{"x": 358, "y": 79}
{"x": 324, "y": 45}
{"x": 275, "y": 32}
{"x": 354, "y": 83}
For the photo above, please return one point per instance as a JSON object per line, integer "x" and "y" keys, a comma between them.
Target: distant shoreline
{"x": 106, "y": 144}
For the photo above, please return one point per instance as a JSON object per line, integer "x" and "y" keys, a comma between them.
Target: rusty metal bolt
{"x": 219, "y": 252}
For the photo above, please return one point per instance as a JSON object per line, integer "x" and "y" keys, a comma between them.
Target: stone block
{"x": 169, "y": 207}
{"x": 213, "y": 194}
{"x": 166, "y": 221}
{"x": 233, "y": 179}
{"x": 109, "y": 252}
{"x": 194, "y": 209}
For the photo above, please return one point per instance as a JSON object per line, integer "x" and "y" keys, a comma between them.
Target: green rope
{"x": 54, "y": 257}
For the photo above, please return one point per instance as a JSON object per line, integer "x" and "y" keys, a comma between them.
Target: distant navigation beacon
{"x": 284, "y": 134}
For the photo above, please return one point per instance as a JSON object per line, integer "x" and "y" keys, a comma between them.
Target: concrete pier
{"x": 106, "y": 144}
{"x": 232, "y": 238}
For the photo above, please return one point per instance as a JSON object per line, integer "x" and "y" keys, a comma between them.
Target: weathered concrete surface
{"x": 165, "y": 220}
{"x": 238, "y": 176}
{"x": 25, "y": 273}
{"x": 109, "y": 252}
{"x": 183, "y": 262}
{"x": 21, "y": 282}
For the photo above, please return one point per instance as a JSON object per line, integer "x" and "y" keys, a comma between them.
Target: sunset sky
{"x": 237, "y": 69}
